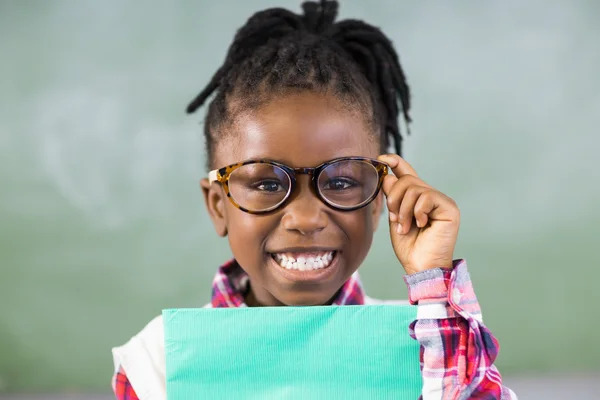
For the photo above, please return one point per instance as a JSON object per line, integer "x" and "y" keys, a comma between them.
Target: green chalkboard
{"x": 102, "y": 223}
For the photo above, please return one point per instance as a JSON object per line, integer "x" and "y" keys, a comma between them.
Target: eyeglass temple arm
{"x": 212, "y": 176}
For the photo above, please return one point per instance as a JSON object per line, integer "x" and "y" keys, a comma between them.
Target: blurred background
{"x": 102, "y": 223}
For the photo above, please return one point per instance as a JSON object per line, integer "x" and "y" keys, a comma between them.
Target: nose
{"x": 304, "y": 213}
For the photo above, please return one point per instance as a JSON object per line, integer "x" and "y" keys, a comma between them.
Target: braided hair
{"x": 278, "y": 52}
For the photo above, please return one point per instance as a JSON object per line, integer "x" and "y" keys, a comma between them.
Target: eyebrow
{"x": 254, "y": 158}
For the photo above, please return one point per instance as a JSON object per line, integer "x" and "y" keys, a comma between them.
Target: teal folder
{"x": 327, "y": 352}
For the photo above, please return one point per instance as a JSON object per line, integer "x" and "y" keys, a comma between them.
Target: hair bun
{"x": 319, "y": 16}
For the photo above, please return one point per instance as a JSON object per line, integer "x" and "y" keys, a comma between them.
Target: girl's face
{"x": 299, "y": 130}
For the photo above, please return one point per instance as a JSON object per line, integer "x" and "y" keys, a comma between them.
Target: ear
{"x": 215, "y": 204}
{"x": 377, "y": 209}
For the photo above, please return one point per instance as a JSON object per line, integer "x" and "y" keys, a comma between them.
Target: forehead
{"x": 300, "y": 130}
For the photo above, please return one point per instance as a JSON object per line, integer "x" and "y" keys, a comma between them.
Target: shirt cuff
{"x": 430, "y": 285}
{"x": 448, "y": 286}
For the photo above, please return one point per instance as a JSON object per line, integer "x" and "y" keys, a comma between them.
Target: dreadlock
{"x": 278, "y": 51}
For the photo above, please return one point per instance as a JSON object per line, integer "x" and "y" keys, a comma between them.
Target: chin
{"x": 307, "y": 299}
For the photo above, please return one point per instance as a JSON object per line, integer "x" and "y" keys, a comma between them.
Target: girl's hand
{"x": 423, "y": 221}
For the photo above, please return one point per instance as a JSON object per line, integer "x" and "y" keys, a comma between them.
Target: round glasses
{"x": 262, "y": 186}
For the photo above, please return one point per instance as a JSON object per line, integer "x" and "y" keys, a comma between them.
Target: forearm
{"x": 457, "y": 350}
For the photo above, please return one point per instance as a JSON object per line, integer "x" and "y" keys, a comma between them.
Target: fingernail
{"x": 399, "y": 229}
{"x": 393, "y": 217}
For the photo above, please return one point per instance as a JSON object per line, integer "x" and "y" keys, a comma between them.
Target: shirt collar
{"x": 231, "y": 284}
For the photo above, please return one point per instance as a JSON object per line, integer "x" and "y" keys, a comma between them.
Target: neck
{"x": 252, "y": 300}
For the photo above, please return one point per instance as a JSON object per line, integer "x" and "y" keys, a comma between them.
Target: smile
{"x": 306, "y": 261}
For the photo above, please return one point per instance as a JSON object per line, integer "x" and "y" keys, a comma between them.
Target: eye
{"x": 270, "y": 186}
{"x": 340, "y": 184}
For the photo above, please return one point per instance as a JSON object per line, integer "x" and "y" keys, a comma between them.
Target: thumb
{"x": 390, "y": 159}
{"x": 398, "y": 165}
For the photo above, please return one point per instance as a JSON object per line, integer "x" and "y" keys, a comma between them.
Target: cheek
{"x": 247, "y": 233}
{"x": 359, "y": 231}
{"x": 367, "y": 217}
{"x": 358, "y": 226}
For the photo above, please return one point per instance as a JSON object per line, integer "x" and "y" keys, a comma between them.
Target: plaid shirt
{"x": 457, "y": 350}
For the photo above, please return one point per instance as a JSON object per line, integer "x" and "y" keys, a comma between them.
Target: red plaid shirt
{"x": 457, "y": 350}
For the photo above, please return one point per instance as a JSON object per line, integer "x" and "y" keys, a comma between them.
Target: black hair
{"x": 278, "y": 51}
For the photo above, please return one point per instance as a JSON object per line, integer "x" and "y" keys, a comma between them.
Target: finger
{"x": 396, "y": 191}
{"x": 388, "y": 183}
{"x": 406, "y": 212}
{"x": 398, "y": 165}
{"x": 387, "y": 187}
{"x": 434, "y": 205}
{"x": 427, "y": 202}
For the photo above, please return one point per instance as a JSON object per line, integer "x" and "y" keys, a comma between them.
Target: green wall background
{"x": 102, "y": 223}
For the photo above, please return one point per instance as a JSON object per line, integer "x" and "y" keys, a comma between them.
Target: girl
{"x": 304, "y": 107}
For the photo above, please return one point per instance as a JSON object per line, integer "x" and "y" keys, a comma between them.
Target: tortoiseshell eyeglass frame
{"x": 221, "y": 175}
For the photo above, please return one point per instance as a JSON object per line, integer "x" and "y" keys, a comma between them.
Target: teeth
{"x": 304, "y": 261}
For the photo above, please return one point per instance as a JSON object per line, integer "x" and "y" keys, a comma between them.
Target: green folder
{"x": 328, "y": 352}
